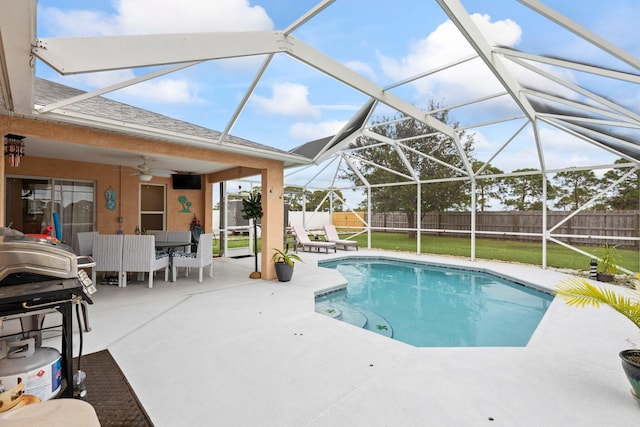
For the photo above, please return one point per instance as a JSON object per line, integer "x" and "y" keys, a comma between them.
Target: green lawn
{"x": 503, "y": 250}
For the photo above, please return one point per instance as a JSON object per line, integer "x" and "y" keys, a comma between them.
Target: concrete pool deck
{"x": 233, "y": 351}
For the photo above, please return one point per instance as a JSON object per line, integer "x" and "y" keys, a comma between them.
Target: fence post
{"x": 635, "y": 229}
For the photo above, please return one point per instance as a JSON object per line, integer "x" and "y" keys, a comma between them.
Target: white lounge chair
{"x": 201, "y": 258}
{"x": 302, "y": 240}
{"x": 332, "y": 236}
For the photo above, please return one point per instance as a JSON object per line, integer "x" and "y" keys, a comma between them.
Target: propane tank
{"x": 40, "y": 369}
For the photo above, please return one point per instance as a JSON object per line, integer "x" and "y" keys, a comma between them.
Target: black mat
{"x": 109, "y": 392}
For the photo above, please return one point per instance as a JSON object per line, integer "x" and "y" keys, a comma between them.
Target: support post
{"x": 273, "y": 217}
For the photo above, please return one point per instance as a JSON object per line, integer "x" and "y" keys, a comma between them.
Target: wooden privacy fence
{"x": 527, "y": 224}
{"x": 348, "y": 219}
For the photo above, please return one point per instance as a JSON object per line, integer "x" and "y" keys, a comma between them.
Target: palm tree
{"x": 579, "y": 292}
{"x": 252, "y": 209}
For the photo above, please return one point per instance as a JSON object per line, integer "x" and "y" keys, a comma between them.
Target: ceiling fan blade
{"x": 162, "y": 173}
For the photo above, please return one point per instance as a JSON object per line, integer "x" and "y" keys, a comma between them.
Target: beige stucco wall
{"x": 127, "y": 186}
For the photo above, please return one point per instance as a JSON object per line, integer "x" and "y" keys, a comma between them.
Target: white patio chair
{"x": 303, "y": 241}
{"x": 201, "y": 258}
{"x": 139, "y": 255}
{"x": 107, "y": 254}
{"x": 160, "y": 235}
{"x": 331, "y": 234}
{"x": 180, "y": 236}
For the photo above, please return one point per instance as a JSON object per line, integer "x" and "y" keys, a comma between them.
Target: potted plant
{"x": 284, "y": 263}
{"x": 577, "y": 291}
{"x": 608, "y": 264}
{"x": 252, "y": 210}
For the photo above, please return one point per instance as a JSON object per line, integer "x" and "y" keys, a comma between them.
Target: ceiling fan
{"x": 145, "y": 172}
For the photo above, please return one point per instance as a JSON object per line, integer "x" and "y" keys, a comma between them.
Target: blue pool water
{"x": 429, "y": 306}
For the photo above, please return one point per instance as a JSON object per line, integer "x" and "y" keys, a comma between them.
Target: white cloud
{"x": 59, "y": 23}
{"x": 339, "y": 107}
{"x": 160, "y": 16}
{"x": 153, "y": 17}
{"x": 480, "y": 141}
{"x": 444, "y": 46}
{"x": 170, "y": 91}
{"x": 161, "y": 90}
{"x": 288, "y": 99}
{"x": 564, "y": 150}
{"x": 310, "y": 131}
{"x": 362, "y": 68}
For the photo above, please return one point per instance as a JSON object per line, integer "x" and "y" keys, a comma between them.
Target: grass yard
{"x": 503, "y": 250}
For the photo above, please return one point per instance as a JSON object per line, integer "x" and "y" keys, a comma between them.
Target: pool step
{"x": 358, "y": 317}
{"x": 342, "y": 312}
{"x": 378, "y": 324}
{"x": 328, "y": 310}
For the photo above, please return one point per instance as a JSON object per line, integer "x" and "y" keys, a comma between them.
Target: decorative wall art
{"x": 110, "y": 195}
{"x": 186, "y": 204}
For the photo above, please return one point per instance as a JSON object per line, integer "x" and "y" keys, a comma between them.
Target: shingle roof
{"x": 47, "y": 92}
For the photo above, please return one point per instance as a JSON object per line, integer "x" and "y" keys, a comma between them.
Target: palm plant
{"x": 609, "y": 261}
{"x": 579, "y": 292}
{"x": 284, "y": 263}
{"x": 285, "y": 257}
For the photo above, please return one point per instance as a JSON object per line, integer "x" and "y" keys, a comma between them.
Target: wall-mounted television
{"x": 186, "y": 182}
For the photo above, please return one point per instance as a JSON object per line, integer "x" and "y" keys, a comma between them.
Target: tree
{"x": 293, "y": 196}
{"x": 575, "y": 188}
{"x": 252, "y": 210}
{"x": 419, "y": 144}
{"x": 487, "y": 188}
{"x": 524, "y": 192}
{"x": 625, "y": 195}
{"x": 316, "y": 200}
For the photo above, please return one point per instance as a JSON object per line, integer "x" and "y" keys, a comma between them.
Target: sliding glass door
{"x": 31, "y": 202}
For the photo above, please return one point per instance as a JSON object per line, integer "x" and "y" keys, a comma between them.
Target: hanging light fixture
{"x": 14, "y": 148}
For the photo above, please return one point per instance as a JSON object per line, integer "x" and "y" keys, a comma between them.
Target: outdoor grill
{"x": 39, "y": 276}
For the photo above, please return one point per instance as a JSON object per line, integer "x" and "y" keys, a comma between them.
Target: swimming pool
{"x": 433, "y": 306}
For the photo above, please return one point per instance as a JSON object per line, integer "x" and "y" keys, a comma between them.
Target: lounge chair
{"x": 302, "y": 240}
{"x": 332, "y": 236}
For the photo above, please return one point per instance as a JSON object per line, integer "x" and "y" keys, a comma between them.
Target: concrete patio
{"x": 239, "y": 352}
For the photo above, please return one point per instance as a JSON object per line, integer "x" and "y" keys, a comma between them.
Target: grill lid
{"x": 27, "y": 254}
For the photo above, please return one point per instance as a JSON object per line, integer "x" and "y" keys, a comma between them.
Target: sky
{"x": 383, "y": 41}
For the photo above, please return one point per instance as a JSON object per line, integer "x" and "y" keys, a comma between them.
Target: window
{"x": 152, "y": 207}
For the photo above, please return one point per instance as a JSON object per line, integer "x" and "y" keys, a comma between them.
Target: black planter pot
{"x": 605, "y": 277}
{"x": 284, "y": 271}
{"x": 631, "y": 366}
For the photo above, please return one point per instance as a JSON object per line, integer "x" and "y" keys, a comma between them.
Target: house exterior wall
{"x": 127, "y": 186}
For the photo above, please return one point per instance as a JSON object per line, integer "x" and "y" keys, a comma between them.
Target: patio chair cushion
{"x": 181, "y": 254}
